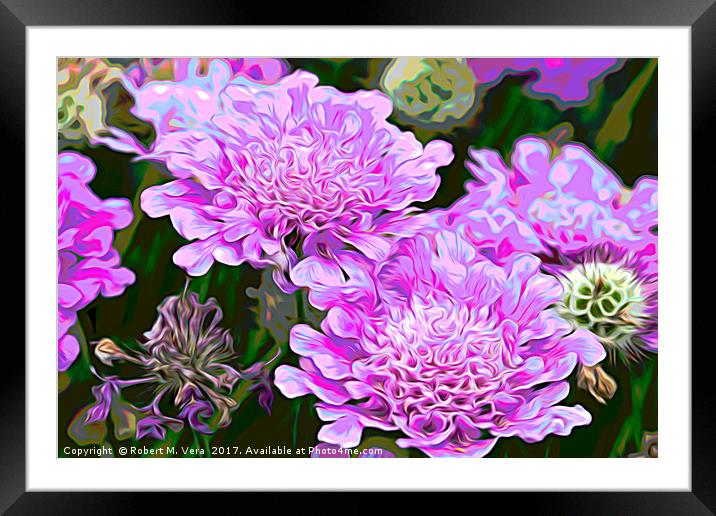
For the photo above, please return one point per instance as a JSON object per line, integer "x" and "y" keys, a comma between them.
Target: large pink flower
{"x": 87, "y": 265}
{"x": 438, "y": 342}
{"x": 288, "y": 163}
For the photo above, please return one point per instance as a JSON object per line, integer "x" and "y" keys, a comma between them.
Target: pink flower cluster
{"x": 457, "y": 327}
{"x": 290, "y": 168}
{"x": 87, "y": 265}
{"x": 438, "y": 342}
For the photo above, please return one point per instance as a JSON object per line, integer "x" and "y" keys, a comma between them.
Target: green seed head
{"x": 431, "y": 91}
{"x": 607, "y": 300}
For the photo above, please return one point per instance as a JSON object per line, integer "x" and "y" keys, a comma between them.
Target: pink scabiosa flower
{"x": 597, "y": 236}
{"x": 567, "y": 81}
{"x": 288, "y": 168}
{"x": 438, "y": 342}
{"x": 87, "y": 265}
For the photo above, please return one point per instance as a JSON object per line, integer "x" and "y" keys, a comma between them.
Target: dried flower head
{"x": 186, "y": 359}
{"x": 595, "y": 380}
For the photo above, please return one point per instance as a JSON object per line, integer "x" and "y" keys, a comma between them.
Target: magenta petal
{"x": 374, "y": 247}
{"x": 67, "y": 351}
{"x": 556, "y": 420}
{"x": 586, "y": 346}
{"x": 345, "y": 432}
{"x": 196, "y": 258}
{"x": 329, "y": 358}
{"x": 67, "y": 295}
{"x": 342, "y": 323}
{"x": 65, "y": 319}
{"x": 294, "y": 382}
{"x": 568, "y": 81}
{"x": 191, "y": 224}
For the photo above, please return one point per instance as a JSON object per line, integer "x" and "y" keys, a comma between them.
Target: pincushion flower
{"x": 288, "y": 168}
{"x": 430, "y": 92}
{"x": 180, "y": 373}
{"x": 567, "y": 81}
{"x": 597, "y": 236}
{"x": 87, "y": 265}
{"x": 439, "y": 343}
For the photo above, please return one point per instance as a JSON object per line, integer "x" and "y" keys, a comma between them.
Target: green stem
{"x": 123, "y": 238}
{"x": 618, "y": 124}
{"x": 631, "y": 429}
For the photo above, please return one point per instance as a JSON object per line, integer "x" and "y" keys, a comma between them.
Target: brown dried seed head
{"x": 597, "y": 382}
{"x": 107, "y": 351}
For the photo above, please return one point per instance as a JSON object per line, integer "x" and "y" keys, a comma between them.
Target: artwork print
{"x": 357, "y": 258}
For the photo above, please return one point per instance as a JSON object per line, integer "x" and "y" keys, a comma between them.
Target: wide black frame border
{"x": 17, "y": 15}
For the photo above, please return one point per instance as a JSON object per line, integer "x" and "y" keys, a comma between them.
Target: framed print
{"x": 463, "y": 247}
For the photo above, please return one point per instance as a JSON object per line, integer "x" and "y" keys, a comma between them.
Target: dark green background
{"x": 620, "y": 125}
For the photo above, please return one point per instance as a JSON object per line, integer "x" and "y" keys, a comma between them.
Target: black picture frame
{"x": 17, "y": 15}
